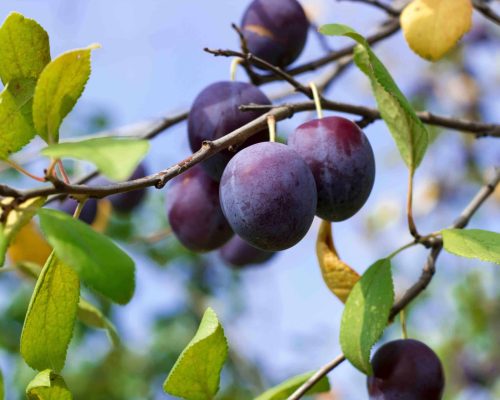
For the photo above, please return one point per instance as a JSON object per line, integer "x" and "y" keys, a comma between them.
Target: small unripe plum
{"x": 194, "y": 211}
{"x": 128, "y": 201}
{"x": 215, "y": 113}
{"x": 88, "y": 213}
{"x": 239, "y": 253}
{"x": 342, "y": 162}
{"x": 275, "y": 30}
{"x": 406, "y": 369}
{"x": 268, "y": 195}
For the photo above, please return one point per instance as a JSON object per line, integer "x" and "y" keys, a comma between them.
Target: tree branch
{"x": 418, "y": 287}
{"x": 487, "y": 11}
{"x": 378, "y": 4}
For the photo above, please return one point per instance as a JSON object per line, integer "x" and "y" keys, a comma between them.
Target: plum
{"x": 406, "y": 369}
{"x": 342, "y": 162}
{"x": 268, "y": 196}
{"x": 88, "y": 212}
{"x": 275, "y": 30}
{"x": 215, "y": 113}
{"x": 239, "y": 253}
{"x": 128, "y": 201}
{"x": 194, "y": 211}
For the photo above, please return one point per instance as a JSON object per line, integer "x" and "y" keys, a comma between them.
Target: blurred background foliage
{"x": 280, "y": 318}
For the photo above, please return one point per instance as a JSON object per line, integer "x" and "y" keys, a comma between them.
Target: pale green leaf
{"x": 16, "y": 124}
{"x": 196, "y": 374}
{"x": 408, "y": 131}
{"x": 366, "y": 313}
{"x": 59, "y": 86}
{"x": 24, "y": 48}
{"x": 47, "y": 385}
{"x": 116, "y": 158}
{"x": 93, "y": 317}
{"x": 100, "y": 263}
{"x": 16, "y": 219}
{"x": 473, "y": 243}
{"x": 50, "y": 318}
{"x": 285, "y": 389}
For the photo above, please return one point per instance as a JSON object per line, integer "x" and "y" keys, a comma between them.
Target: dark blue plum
{"x": 194, "y": 211}
{"x": 268, "y": 195}
{"x": 129, "y": 201}
{"x": 88, "y": 212}
{"x": 406, "y": 369}
{"x": 342, "y": 162}
{"x": 275, "y": 30}
{"x": 239, "y": 253}
{"x": 215, "y": 113}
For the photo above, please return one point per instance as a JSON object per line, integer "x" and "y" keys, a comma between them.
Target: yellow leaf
{"x": 338, "y": 276}
{"x": 29, "y": 245}
{"x": 101, "y": 219}
{"x": 432, "y": 27}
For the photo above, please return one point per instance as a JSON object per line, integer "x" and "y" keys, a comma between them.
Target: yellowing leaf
{"x": 432, "y": 27}
{"x": 101, "y": 220}
{"x": 29, "y": 246}
{"x": 16, "y": 219}
{"x": 338, "y": 276}
{"x": 47, "y": 385}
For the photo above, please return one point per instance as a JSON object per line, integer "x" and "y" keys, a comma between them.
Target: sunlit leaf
{"x": 116, "y": 158}
{"x": 50, "y": 318}
{"x": 338, "y": 276}
{"x": 433, "y": 27}
{"x": 59, "y": 86}
{"x": 100, "y": 263}
{"x": 473, "y": 243}
{"x": 93, "y": 317}
{"x": 366, "y": 313}
{"x": 47, "y": 385}
{"x": 196, "y": 374}
{"x": 285, "y": 389}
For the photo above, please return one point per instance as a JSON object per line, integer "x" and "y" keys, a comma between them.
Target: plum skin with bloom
{"x": 406, "y": 369}
{"x": 238, "y": 253}
{"x": 88, "y": 213}
{"x": 194, "y": 211}
{"x": 275, "y": 30}
{"x": 268, "y": 196}
{"x": 128, "y": 201}
{"x": 342, "y": 162}
{"x": 215, "y": 112}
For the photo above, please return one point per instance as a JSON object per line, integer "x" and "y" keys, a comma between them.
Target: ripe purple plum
{"x": 215, "y": 113}
{"x": 239, "y": 253}
{"x": 129, "y": 201}
{"x": 88, "y": 213}
{"x": 275, "y": 30}
{"x": 194, "y": 211}
{"x": 342, "y": 162}
{"x": 406, "y": 369}
{"x": 268, "y": 195}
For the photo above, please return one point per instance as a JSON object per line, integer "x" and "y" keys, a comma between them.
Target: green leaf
{"x": 115, "y": 157}
{"x": 100, "y": 263}
{"x": 285, "y": 389}
{"x": 16, "y": 220}
{"x": 93, "y": 317}
{"x": 59, "y": 86}
{"x": 196, "y": 374}
{"x": 408, "y": 131}
{"x": 24, "y": 48}
{"x": 366, "y": 313}
{"x": 50, "y": 318}
{"x": 473, "y": 243}
{"x": 16, "y": 124}
{"x": 47, "y": 385}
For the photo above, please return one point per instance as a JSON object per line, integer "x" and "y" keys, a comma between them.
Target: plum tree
{"x": 129, "y": 201}
{"x": 88, "y": 213}
{"x": 215, "y": 113}
{"x": 406, "y": 369}
{"x": 275, "y": 30}
{"x": 239, "y": 253}
{"x": 268, "y": 195}
{"x": 194, "y": 211}
{"x": 342, "y": 162}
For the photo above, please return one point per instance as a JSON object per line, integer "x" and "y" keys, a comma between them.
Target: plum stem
{"x": 317, "y": 99}
{"x": 271, "y": 124}
{"x": 20, "y": 169}
{"x": 234, "y": 66}
{"x": 402, "y": 317}
{"x": 79, "y": 208}
{"x": 409, "y": 208}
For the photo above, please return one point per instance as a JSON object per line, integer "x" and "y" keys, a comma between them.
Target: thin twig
{"x": 487, "y": 11}
{"x": 378, "y": 4}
